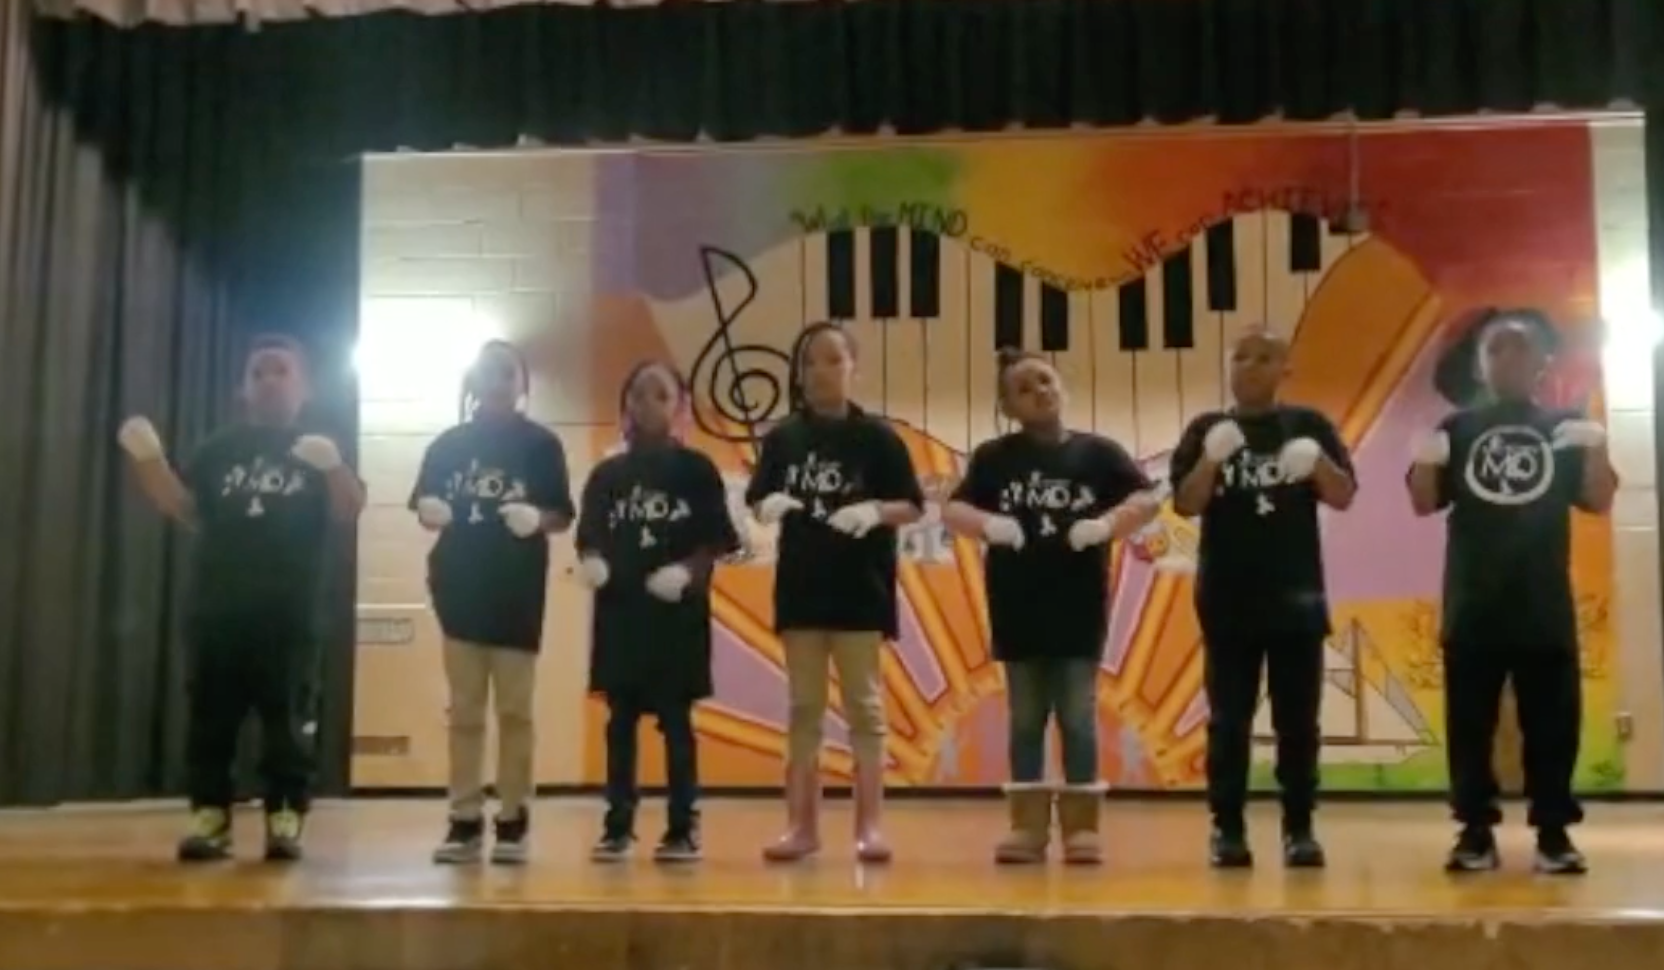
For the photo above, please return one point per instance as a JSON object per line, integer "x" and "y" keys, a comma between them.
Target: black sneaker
{"x": 1301, "y": 850}
{"x": 613, "y": 847}
{"x": 1474, "y": 851}
{"x": 283, "y": 831}
{"x": 464, "y": 841}
{"x": 509, "y": 849}
{"x": 1557, "y": 856}
{"x": 677, "y": 847}
{"x": 1228, "y": 849}
{"x": 209, "y": 837}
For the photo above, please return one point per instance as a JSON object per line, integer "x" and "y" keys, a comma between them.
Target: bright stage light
{"x": 418, "y": 350}
{"x": 1633, "y": 331}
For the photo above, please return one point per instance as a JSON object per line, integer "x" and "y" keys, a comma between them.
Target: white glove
{"x": 1578, "y": 434}
{"x": 1002, "y": 530}
{"x": 523, "y": 520}
{"x": 317, "y": 451}
{"x": 1432, "y": 449}
{"x": 855, "y": 520}
{"x": 1299, "y": 459}
{"x": 670, "y": 582}
{"x": 1090, "y": 532}
{"x": 433, "y": 513}
{"x": 774, "y": 507}
{"x": 1222, "y": 441}
{"x": 593, "y": 572}
{"x": 139, "y": 439}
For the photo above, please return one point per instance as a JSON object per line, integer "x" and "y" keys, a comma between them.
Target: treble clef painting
{"x": 742, "y": 384}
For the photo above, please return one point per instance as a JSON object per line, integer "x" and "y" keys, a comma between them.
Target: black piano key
{"x": 1054, "y": 318}
{"x": 840, "y": 274}
{"x": 1221, "y": 244}
{"x": 1135, "y": 327}
{"x": 1305, "y": 243}
{"x": 924, "y": 271}
{"x": 1177, "y": 324}
{"x": 884, "y": 265}
{"x": 1008, "y": 307}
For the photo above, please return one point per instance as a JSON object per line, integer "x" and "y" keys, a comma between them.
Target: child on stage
{"x": 1049, "y": 501}
{"x": 1510, "y": 471}
{"x": 260, "y": 496}
{"x": 494, "y": 488}
{"x": 839, "y": 482}
{"x": 1255, "y": 474}
{"x": 654, "y": 521}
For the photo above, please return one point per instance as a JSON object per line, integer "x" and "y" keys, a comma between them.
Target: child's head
{"x": 274, "y": 380}
{"x": 1030, "y": 389}
{"x": 653, "y": 403}
{"x": 497, "y": 381}
{"x": 1259, "y": 361}
{"x": 823, "y": 367}
{"x": 1512, "y": 358}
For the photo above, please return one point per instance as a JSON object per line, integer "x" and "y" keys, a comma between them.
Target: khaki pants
{"x": 856, "y": 655}
{"x": 477, "y": 674}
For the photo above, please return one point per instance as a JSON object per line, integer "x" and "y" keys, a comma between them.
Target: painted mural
{"x": 1132, "y": 263}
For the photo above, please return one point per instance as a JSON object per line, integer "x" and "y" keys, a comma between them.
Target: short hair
{"x": 262, "y": 342}
{"x": 470, "y": 401}
{"x": 1005, "y": 359}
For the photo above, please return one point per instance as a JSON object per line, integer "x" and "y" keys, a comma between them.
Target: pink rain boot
{"x": 802, "y": 837}
{"x": 869, "y": 804}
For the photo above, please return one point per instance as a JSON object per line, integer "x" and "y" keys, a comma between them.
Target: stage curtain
{"x": 145, "y": 233}
{"x": 563, "y": 74}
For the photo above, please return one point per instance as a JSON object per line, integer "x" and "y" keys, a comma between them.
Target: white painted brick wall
{"x": 1621, "y": 239}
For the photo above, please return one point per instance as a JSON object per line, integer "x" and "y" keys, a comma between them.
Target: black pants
{"x": 233, "y": 673}
{"x": 1294, "y": 683}
{"x": 675, "y": 717}
{"x": 1548, "y": 693}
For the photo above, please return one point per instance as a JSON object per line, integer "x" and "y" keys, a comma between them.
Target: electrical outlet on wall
{"x": 1625, "y": 724}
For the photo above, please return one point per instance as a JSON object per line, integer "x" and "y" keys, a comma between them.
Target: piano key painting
{"x": 1132, "y": 264}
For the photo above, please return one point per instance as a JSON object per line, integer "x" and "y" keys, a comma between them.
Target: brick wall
{"x": 458, "y": 249}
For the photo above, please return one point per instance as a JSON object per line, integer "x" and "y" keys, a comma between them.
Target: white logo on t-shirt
{"x": 261, "y": 480}
{"x": 1052, "y": 500}
{"x": 645, "y": 510}
{"x": 819, "y": 481}
{"x": 1510, "y": 464}
{"x": 485, "y": 484}
{"x": 1249, "y": 471}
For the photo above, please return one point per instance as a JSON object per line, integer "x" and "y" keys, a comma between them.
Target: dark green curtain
{"x": 166, "y": 192}
{"x": 147, "y": 231}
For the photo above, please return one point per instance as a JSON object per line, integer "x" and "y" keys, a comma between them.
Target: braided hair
{"x": 795, "y": 399}
{"x": 470, "y": 398}
{"x": 684, "y": 398}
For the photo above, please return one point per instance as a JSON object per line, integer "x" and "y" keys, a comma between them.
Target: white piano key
{"x": 945, "y": 346}
{"x": 869, "y": 378}
{"x": 1202, "y": 368}
{"x": 1156, "y": 380}
{"x": 812, "y": 248}
{"x": 1248, "y": 235}
{"x": 1031, "y": 314}
{"x": 1075, "y": 365}
{"x": 904, "y": 367}
{"x": 982, "y": 405}
{"x": 1115, "y": 412}
{"x": 1285, "y": 290}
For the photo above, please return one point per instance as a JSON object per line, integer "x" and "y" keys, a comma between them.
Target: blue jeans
{"x": 1036, "y": 691}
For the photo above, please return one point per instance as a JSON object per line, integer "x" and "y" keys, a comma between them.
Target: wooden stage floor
{"x": 85, "y": 888}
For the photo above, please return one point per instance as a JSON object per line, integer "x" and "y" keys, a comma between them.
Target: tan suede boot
{"x": 1078, "y": 808}
{"x": 1030, "y": 805}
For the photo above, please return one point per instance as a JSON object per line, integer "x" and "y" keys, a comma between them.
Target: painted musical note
{"x": 743, "y": 383}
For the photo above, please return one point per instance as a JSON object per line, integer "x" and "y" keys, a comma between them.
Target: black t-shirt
{"x": 1507, "y": 556}
{"x": 263, "y": 521}
{"x": 824, "y": 579}
{"x": 1260, "y": 561}
{"x": 1047, "y": 600}
{"x": 489, "y": 585}
{"x": 642, "y": 510}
